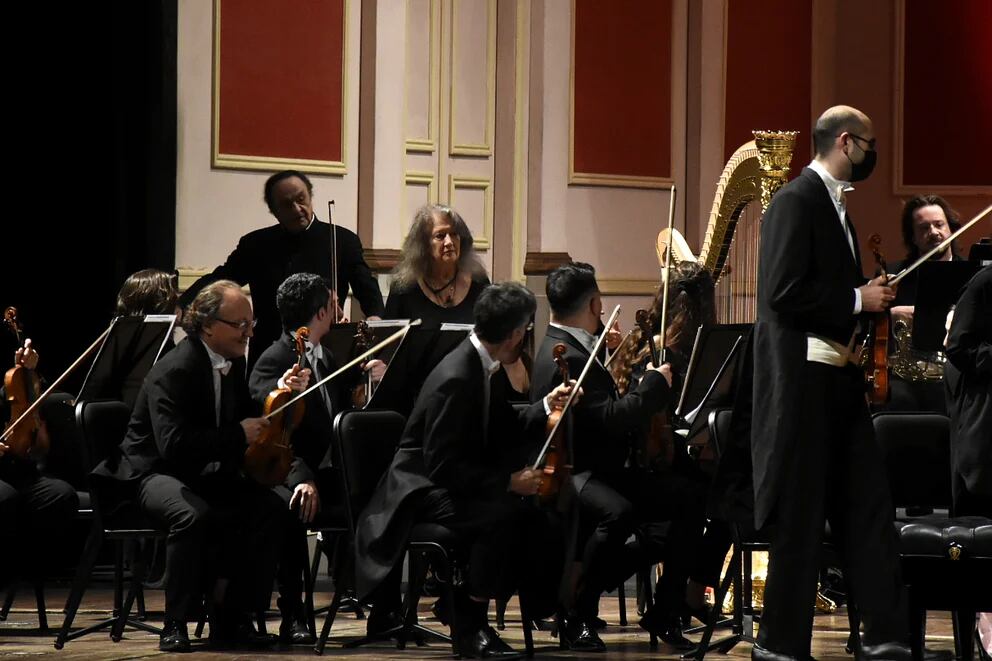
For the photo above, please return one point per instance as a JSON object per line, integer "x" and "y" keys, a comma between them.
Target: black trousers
{"x": 665, "y": 510}
{"x": 835, "y": 473}
{"x": 220, "y": 527}
{"x": 509, "y": 543}
{"x": 35, "y": 516}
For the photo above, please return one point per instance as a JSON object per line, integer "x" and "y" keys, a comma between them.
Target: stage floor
{"x": 19, "y": 636}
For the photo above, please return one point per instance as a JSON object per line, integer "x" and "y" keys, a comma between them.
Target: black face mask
{"x": 861, "y": 171}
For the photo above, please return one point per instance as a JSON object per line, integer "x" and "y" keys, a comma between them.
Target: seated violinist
{"x": 310, "y": 492}
{"x": 461, "y": 463}
{"x": 35, "y": 507}
{"x": 182, "y": 457}
{"x": 616, "y": 499}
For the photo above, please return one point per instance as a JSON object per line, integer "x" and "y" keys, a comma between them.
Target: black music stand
{"x": 938, "y": 287}
{"x": 713, "y": 346}
{"x": 411, "y": 362}
{"x": 131, "y": 348}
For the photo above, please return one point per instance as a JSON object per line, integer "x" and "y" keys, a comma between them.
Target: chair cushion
{"x": 957, "y": 538}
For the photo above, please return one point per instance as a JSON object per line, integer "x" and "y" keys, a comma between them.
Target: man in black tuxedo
{"x": 459, "y": 464}
{"x": 616, "y": 499}
{"x": 182, "y": 458}
{"x": 304, "y": 299}
{"x": 813, "y": 446}
{"x": 299, "y": 243}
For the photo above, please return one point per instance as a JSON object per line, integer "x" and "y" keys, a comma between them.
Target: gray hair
{"x": 415, "y": 261}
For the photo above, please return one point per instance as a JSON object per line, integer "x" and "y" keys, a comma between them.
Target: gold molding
{"x": 417, "y": 178}
{"x": 543, "y": 263}
{"x": 382, "y": 260}
{"x": 898, "y": 187}
{"x": 627, "y": 286}
{"x": 456, "y": 148}
{"x": 602, "y": 179}
{"x": 486, "y": 186}
{"x": 255, "y": 162}
{"x": 427, "y": 145}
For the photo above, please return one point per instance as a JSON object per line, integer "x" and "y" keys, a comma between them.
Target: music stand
{"x": 938, "y": 288}
{"x": 412, "y": 361}
{"x": 131, "y": 348}
{"x": 714, "y": 344}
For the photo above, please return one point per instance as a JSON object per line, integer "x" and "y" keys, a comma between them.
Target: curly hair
{"x": 690, "y": 305}
{"x": 149, "y": 291}
{"x": 206, "y": 306}
{"x": 415, "y": 260}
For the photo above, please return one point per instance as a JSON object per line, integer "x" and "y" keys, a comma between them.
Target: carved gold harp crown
{"x": 754, "y": 173}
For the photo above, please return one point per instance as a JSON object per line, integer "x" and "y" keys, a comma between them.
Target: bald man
{"x": 815, "y": 458}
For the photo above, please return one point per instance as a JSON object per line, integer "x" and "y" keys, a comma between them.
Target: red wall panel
{"x": 947, "y": 93}
{"x": 769, "y": 69}
{"x": 280, "y": 92}
{"x": 623, "y": 87}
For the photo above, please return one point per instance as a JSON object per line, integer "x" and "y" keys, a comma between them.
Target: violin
{"x": 557, "y": 461}
{"x": 658, "y": 444}
{"x": 364, "y": 338}
{"x": 877, "y": 368}
{"x": 21, "y": 434}
{"x": 268, "y": 459}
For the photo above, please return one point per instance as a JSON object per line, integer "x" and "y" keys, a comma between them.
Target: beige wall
{"x": 531, "y": 206}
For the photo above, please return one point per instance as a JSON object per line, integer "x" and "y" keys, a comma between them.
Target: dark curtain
{"x": 91, "y": 181}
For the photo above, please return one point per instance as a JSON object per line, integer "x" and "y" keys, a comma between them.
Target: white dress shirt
{"x": 220, "y": 367}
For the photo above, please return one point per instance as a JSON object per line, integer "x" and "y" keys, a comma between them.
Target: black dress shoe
{"x": 485, "y": 643}
{"x": 294, "y": 631}
{"x": 381, "y": 621}
{"x": 759, "y": 653}
{"x": 174, "y": 638}
{"x": 900, "y": 652}
{"x": 579, "y": 636}
{"x": 668, "y": 629}
{"x": 241, "y": 635}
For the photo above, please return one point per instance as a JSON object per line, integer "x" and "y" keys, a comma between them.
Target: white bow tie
{"x": 223, "y": 367}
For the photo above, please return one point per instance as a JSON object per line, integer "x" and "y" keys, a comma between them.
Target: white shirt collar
{"x": 217, "y": 361}
{"x": 314, "y": 351}
{"x": 834, "y": 185}
{"x": 585, "y": 338}
{"x": 489, "y": 366}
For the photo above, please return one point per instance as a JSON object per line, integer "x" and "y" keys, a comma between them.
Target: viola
{"x": 658, "y": 444}
{"x": 22, "y": 433}
{"x": 268, "y": 459}
{"x": 364, "y": 339}
{"x": 876, "y": 367}
{"x": 557, "y": 461}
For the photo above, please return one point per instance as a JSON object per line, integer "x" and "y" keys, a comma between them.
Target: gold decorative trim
{"x": 898, "y": 187}
{"x": 543, "y": 263}
{"x": 190, "y": 274}
{"x": 427, "y": 145}
{"x": 597, "y": 178}
{"x": 456, "y": 148}
{"x": 417, "y": 178}
{"x": 627, "y": 286}
{"x": 486, "y": 186}
{"x": 256, "y": 162}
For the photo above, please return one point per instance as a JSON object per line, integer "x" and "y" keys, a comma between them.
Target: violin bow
{"x": 398, "y": 335}
{"x": 578, "y": 384}
{"x": 667, "y": 273}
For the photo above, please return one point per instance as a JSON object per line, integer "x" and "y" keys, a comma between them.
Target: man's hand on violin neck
{"x": 525, "y": 482}
{"x": 254, "y": 427}
{"x": 665, "y": 370}
{"x": 557, "y": 397}
{"x": 296, "y": 379}
{"x": 876, "y": 296}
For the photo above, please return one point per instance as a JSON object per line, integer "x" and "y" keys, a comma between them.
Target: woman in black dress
{"x": 440, "y": 276}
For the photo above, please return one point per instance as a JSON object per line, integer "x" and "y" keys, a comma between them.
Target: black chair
{"x": 946, "y": 561}
{"x": 103, "y": 425}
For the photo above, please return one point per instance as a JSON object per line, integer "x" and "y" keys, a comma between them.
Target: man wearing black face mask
{"x": 814, "y": 455}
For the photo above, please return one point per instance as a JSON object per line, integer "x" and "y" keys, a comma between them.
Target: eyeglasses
{"x": 871, "y": 143}
{"x": 242, "y": 325}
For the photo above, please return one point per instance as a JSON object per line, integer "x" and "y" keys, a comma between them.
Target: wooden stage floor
{"x": 19, "y": 637}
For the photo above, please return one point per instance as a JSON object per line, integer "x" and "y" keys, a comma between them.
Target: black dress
{"x": 410, "y": 302}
